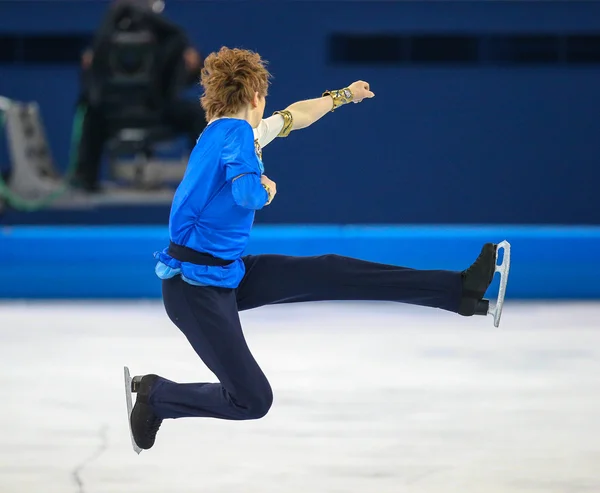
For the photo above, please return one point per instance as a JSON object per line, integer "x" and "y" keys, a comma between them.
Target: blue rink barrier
{"x": 117, "y": 262}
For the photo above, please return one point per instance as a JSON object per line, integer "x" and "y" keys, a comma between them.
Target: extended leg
{"x": 272, "y": 279}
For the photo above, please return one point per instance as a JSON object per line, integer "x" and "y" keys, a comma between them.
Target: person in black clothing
{"x": 179, "y": 67}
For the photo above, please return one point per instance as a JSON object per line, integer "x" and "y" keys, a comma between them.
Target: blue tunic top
{"x": 213, "y": 208}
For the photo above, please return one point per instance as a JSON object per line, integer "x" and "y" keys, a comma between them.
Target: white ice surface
{"x": 369, "y": 398}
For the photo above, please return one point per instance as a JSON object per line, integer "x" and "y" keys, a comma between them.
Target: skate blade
{"x": 129, "y": 401}
{"x": 503, "y": 269}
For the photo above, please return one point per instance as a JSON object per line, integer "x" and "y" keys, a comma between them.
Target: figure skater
{"x": 205, "y": 279}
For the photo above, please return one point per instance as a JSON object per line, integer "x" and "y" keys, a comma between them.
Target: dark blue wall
{"x": 455, "y": 144}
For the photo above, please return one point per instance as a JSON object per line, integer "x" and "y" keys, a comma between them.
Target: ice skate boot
{"x": 143, "y": 423}
{"x": 477, "y": 279}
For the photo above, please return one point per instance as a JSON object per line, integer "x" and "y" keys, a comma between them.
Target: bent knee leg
{"x": 255, "y": 403}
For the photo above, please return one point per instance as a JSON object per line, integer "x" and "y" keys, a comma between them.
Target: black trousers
{"x": 208, "y": 317}
{"x": 185, "y": 117}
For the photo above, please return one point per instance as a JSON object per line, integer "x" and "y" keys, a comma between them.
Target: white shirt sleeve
{"x": 268, "y": 129}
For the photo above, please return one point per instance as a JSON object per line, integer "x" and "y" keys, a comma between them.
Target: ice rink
{"x": 369, "y": 398}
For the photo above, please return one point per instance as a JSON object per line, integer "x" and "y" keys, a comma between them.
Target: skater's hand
{"x": 271, "y": 188}
{"x": 360, "y": 90}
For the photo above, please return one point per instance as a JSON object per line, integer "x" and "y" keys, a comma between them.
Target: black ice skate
{"x": 143, "y": 423}
{"x": 477, "y": 279}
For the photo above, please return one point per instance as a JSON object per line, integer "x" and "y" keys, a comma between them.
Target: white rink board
{"x": 369, "y": 398}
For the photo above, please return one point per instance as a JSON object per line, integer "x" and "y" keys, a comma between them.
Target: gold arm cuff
{"x": 288, "y": 122}
{"x": 340, "y": 97}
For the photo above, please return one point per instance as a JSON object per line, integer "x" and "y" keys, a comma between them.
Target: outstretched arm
{"x": 294, "y": 117}
{"x": 305, "y": 113}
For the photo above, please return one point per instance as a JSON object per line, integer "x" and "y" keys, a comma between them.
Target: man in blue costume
{"x": 205, "y": 279}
